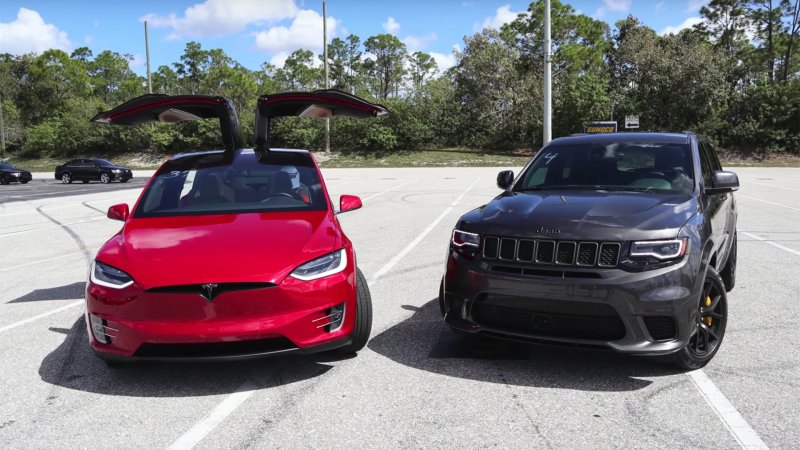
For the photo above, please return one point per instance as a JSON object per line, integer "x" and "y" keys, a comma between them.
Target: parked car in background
{"x": 233, "y": 253}
{"x": 622, "y": 240}
{"x": 10, "y": 174}
{"x": 92, "y": 169}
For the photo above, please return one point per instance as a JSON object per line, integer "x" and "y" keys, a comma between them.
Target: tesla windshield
{"x": 7, "y": 166}
{"x": 617, "y": 166}
{"x": 203, "y": 184}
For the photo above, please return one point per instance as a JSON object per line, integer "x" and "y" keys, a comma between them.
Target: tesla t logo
{"x": 207, "y": 291}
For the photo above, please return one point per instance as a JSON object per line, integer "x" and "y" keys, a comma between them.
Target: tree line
{"x": 734, "y": 77}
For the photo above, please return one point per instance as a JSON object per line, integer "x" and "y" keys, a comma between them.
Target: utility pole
{"x": 147, "y": 50}
{"x": 548, "y": 60}
{"x": 325, "y": 58}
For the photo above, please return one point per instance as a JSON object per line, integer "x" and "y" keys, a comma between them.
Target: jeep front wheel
{"x": 709, "y": 325}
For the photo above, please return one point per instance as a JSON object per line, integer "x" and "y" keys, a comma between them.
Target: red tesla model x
{"x": 233, "y": 253}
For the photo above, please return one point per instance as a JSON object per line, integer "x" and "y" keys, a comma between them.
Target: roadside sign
{"x": 601, "y": 127}
{"x": 631, "y": 121}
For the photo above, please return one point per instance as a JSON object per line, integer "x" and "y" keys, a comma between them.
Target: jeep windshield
{"x": 209, "y": 184}
{"x": 636, "y": 167}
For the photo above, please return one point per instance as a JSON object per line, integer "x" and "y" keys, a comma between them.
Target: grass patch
{"x": 452, "y": 157}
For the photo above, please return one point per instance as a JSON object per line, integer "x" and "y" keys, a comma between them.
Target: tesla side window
{"x": 629, "y": 166}
{"x": 282, "y": 183}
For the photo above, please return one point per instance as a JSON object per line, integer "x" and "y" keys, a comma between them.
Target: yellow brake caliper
{"x": 708, "y": 320}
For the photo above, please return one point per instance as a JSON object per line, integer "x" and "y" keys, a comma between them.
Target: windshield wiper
{"x": 553, "y": 187}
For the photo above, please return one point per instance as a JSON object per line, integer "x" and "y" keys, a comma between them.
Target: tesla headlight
{"x": 323, "y": 266}
{"x": 465, "y": 239}
{"x": 663, "y": 250}
{"x": 108, "y": 276}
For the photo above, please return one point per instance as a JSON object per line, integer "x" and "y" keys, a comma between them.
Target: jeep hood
{"x": 228, "y": 248}
{"x": 612, "y": 216}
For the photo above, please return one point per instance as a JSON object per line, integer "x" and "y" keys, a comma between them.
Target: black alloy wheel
{"x": 709, "y": 325}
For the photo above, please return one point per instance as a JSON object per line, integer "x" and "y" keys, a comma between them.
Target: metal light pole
{"x": 325, "y": 58}
{"x": 2, "y": 131}
{"x": 147, "y": 50}
{"x": 548, "y": 101}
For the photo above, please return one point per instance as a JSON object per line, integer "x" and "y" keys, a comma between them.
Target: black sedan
{"x": 92, "y": 169}
{"x": 9, "y": 174}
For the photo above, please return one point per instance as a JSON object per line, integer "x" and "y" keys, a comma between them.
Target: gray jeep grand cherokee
{"x": 622, "y": 240}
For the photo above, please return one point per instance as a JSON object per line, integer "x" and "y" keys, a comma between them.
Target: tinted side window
{"x": 705, "y": 165}
{"x": 712, "y": 154}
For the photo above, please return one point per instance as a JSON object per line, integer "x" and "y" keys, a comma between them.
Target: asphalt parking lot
{"x": 416, "y": 384}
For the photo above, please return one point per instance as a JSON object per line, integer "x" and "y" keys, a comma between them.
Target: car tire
{"x": 123, "y": 180}
{"x": 25, "y": 181}
{"x": 105, "y": 178}
{"x": 363, "y": 325}
{"x": 4, "y": 180}
{"x": 66, "y": 178}
{"x": 709, "y": 329}
{"x": 728, "y": 273}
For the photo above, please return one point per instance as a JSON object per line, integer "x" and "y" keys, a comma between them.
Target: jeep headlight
{"x": 661, "y": 250}
{"x": 324, "y": 266}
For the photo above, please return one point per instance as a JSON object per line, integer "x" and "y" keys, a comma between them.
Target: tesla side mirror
{"x": 118, "y": 212}
{"x": 723, "y": 181}
{"x": 349, "y": 203}
{"x": 504, "y": 179}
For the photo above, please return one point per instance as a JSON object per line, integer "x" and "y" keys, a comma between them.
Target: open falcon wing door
{"x": 177, "y": 108}
{"x": 318, "y": 104}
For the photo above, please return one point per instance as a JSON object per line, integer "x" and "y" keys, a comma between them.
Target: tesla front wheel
{"x": 709, "y": 325}
{"x": 66, "y": 178}
{"x": 105, "y": 178}
{"x": 363, "y": 324}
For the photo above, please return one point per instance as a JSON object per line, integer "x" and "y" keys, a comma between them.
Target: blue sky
{"x": 258, "y": 31}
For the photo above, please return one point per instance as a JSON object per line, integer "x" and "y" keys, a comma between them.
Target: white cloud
{"x": 88, "y": 39}
{"x": 214, "y": 18}
{"x": 695, "y": 5}
{"x": 304, "y": 32}
{"x": 445, "y": 61}
{"x": 391, "y": 26}
{"x": 660, "y": 6}
{"x": 502, "y": 15}
{"x": 29, "y": 33}
{"x": 675, "y": 29}
{"x": 419, "y": 43}
{"x": 620, "y": 6}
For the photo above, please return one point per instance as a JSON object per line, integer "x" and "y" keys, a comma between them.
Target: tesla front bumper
{"x": 645, "y": 313}
{"x": 292, "y": 317}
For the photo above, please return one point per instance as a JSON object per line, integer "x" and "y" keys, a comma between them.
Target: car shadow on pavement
{"x": 424, "y": 342}
{"x": 73, "y": 365}
{"x": 72, "y": 291}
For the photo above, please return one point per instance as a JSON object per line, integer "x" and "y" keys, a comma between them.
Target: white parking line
{"x": 388, "y": 266}
{"x": 15, "y": 233}
{"x": 765, "y": 201}
{"x": 774, "y": 186}
{"x": 389, "y": 190}
{"x": 33, "y": 263}
{"x": 218, "y": 414}
{"x": 738, "y": 427}
{"x": 766, "y": 241}
{"x": 40, "y": 316}
{"x": 225, "y": 408}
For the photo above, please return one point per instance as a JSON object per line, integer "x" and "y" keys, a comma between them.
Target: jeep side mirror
{"x": 505, "y": 178}
{"x": 723, "y": 181}
{"x": 118, "y": 212}
{"x": 349, "y": 203}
